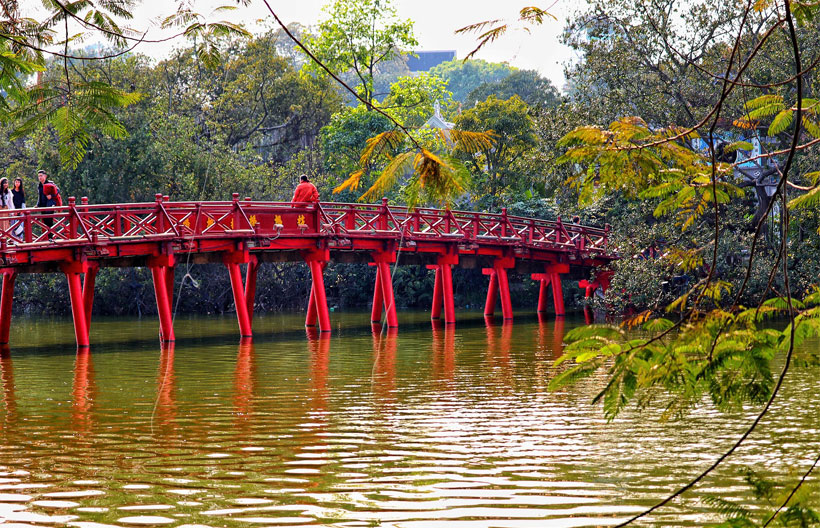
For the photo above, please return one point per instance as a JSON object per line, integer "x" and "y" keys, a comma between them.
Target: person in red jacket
{"x": 305, "y": 191}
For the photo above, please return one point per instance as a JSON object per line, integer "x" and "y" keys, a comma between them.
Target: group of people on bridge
{"x": 14, "y": 198}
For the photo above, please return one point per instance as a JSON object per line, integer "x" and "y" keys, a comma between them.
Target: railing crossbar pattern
{"x": 91, "y": 224}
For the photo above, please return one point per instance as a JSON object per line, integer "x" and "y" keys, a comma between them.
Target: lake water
{"x": 426, "y": 428}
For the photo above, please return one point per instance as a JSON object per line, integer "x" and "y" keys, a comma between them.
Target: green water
{"x": 426, "y": 428}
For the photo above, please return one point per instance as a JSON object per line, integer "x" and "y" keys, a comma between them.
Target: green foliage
{"x": 533, "y": 89}
{"x": 724, "y": 357}
{"x": 512, "y": 127}
{"x": 75, "y": 114}
{"x": 465, "y": 76}
{"x": 357, "y": 36}
{"x": 411, "y": 99}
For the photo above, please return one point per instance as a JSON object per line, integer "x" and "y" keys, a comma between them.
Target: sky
{"x": 435, "y": 23}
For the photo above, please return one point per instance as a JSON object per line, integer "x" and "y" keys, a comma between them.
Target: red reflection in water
{"x": 243, "y": 384}
{"x": 166, "y": 409}
{"x": 498, "y": 349}
{"x": 550, "y": 337}
{"x": 444, "y": 351}
{"x": 319, "y": 347}
{"x": 84, "y": 392}
{"x": 385, "y": 344}
{"x": 7, "y": 379}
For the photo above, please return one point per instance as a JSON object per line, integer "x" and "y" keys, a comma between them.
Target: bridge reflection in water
{"x": 78, "y": 239}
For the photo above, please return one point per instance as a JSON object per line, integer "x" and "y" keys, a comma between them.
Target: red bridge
{"x": 78, "y": 239}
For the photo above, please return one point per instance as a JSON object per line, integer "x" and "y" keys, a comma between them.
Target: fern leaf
{"x": 781, "y": 122}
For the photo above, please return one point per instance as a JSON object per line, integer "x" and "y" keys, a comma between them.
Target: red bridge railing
{"x": 90, "y": 224}
{"x": 77, "y": 239}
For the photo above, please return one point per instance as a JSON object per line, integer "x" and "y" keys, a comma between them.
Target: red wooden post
{"x": 504, "y": 291}
{"x": 117, "y": 221}
{"x": 544, "y": 281}
{"x": 553, "y": 277}
{"x": 447, "y": 291}
{"x": 492, "y": 294}
{"x": 378, "y": 299}
{"x": 160, "y": 218}
{"x": 159, "y": 271}
{"x": 387, "y": 292}
{"x": 232, "y": 261}
{"x": 311, "y": 317}
{"x": 438, "y": 299}
{"x": 239, "y": 299}
{"x": 250, "y": 285}
{"x": 88, "y": 293}
{"x": 350, "y": 219}
{"x": 169, "y": 285}
{"x": 75, "y": 290}
{"x": 72, "y": 218}
{"x": 319, "y": 295}
{"x": 6, "y": 302}
{"x": 236, "y": 211}
{"x": 557, "y": 294}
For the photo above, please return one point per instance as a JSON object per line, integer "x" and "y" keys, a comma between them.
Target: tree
{"x": 78, "y": 109}
{"x": 341, "y": 140}
{"x": 464, "y": 76}
{"x": 510, "y": 124}
{"x": 533, "y": 89}
{"x": 411, "y": 100}
{"x": 357, "y": 36}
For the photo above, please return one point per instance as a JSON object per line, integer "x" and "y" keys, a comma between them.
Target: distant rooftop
{"x": 428, "y": 59}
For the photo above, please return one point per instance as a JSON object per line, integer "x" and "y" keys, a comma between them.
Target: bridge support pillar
{"x": 499, "y": 286}
{"x": 383, "y": 295}
{"x": 250, "y": 285}
{"x": 89, "y": 280}
{"x": 544, "y": 282}
{"x": 557, "y": 295}
{"x": 9, "y": 278}
{"x": 81, "y": 292}
{"x": 162, "y": 270}
{"x": 378, "y": 299}
{"x": 492, "y": 293}
{"x": 243, "y": 302}
{"x": 443, "y": 287}
{"x": 438, "y": 297}
{"x": 317, "y": 305}
{"x": 551, "y": 277}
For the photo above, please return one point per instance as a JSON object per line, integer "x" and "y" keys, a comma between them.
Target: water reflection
{"x": 7, "y": 380}
{"x": 243, "y": 384}
{"x": 436, "y": 426}
{"x": 499, "y": 342}
{"x": 166, "y": 407}
{"x": 444, "y": 351}
{"x": 383, "y": 379}
{"x": 319, "y": 347}
{"x": 83, "y": 393}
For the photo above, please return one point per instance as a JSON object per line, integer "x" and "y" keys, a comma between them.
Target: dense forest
{"x": 250, "y": 113}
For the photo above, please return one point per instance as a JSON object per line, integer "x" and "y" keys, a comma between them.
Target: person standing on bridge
{"x": 5, "y": 203}
{"x": 305, "y": 191}
{"x": 44, "y": 200}
{"x": 18, "y": 200}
